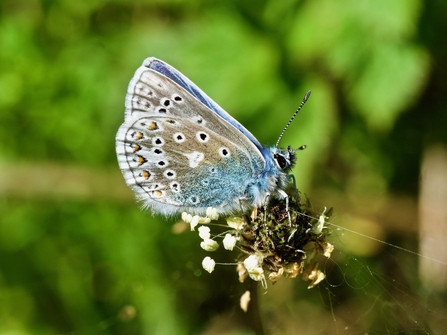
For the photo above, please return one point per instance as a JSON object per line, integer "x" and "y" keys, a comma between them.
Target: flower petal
{"x": 229, "y": 242}
{"x": 209, "y": 245}
{"x": 204, "y": 232}
{"x": 208, "y": 264}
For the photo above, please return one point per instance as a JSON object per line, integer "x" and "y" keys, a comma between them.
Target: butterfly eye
{"x": 281, "y": 161}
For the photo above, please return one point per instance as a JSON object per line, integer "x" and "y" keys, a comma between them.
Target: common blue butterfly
{"x": 180, "y": 151}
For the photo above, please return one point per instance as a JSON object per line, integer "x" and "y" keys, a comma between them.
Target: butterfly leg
{"x": 266, "y": 203}
{"x": 284, "y": 195}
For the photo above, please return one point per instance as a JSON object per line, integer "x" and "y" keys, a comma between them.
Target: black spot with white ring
{"x": 162, "y": 163}
{"x": 158, "y": 151}
{"x": 177, "y": 98}
{"x": 202, "y": 137}
{"x": 179, "y": 137}
{"x": 169, "y": 174}
{"x": 158, "y": 141}
{"x": 224, "y": 152}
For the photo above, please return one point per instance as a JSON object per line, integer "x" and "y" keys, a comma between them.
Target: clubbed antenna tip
{"x": 306, "y": 97}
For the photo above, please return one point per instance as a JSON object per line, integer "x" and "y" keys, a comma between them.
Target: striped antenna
{"x": 293, "y": 116}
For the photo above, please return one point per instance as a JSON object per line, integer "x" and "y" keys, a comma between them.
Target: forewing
{"x": 177, "y": 154}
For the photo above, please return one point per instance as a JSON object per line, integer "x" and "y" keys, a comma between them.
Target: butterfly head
{"x": 284, "y": 159}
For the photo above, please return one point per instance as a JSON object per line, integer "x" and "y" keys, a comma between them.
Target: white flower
{"x": 186, "y": 217}
{"x": 211, "y": 213}
{"x": 208, "y": 264}
{"x": 252, "y": 262}
{"x": 204, "y": 232}
{"x": 204, "y": 219}
{"x": 209, "y": 245}
{"x": 194, "y": 222}
{"x": 235, "y": 222}
{"x": 229, "y": 242}
{"x": 253, "y": 265}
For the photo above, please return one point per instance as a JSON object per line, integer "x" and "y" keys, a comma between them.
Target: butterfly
{"x": 181, "y": 152}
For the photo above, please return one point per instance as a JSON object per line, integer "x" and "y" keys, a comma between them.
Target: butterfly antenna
{"x": 293, "y": 116}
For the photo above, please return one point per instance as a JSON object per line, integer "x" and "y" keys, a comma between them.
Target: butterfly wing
{"x": 168, "y": 71}
{"x": 176, "y": 152}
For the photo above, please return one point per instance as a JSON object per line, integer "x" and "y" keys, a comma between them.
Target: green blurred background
{"x": 78, "y": 256}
